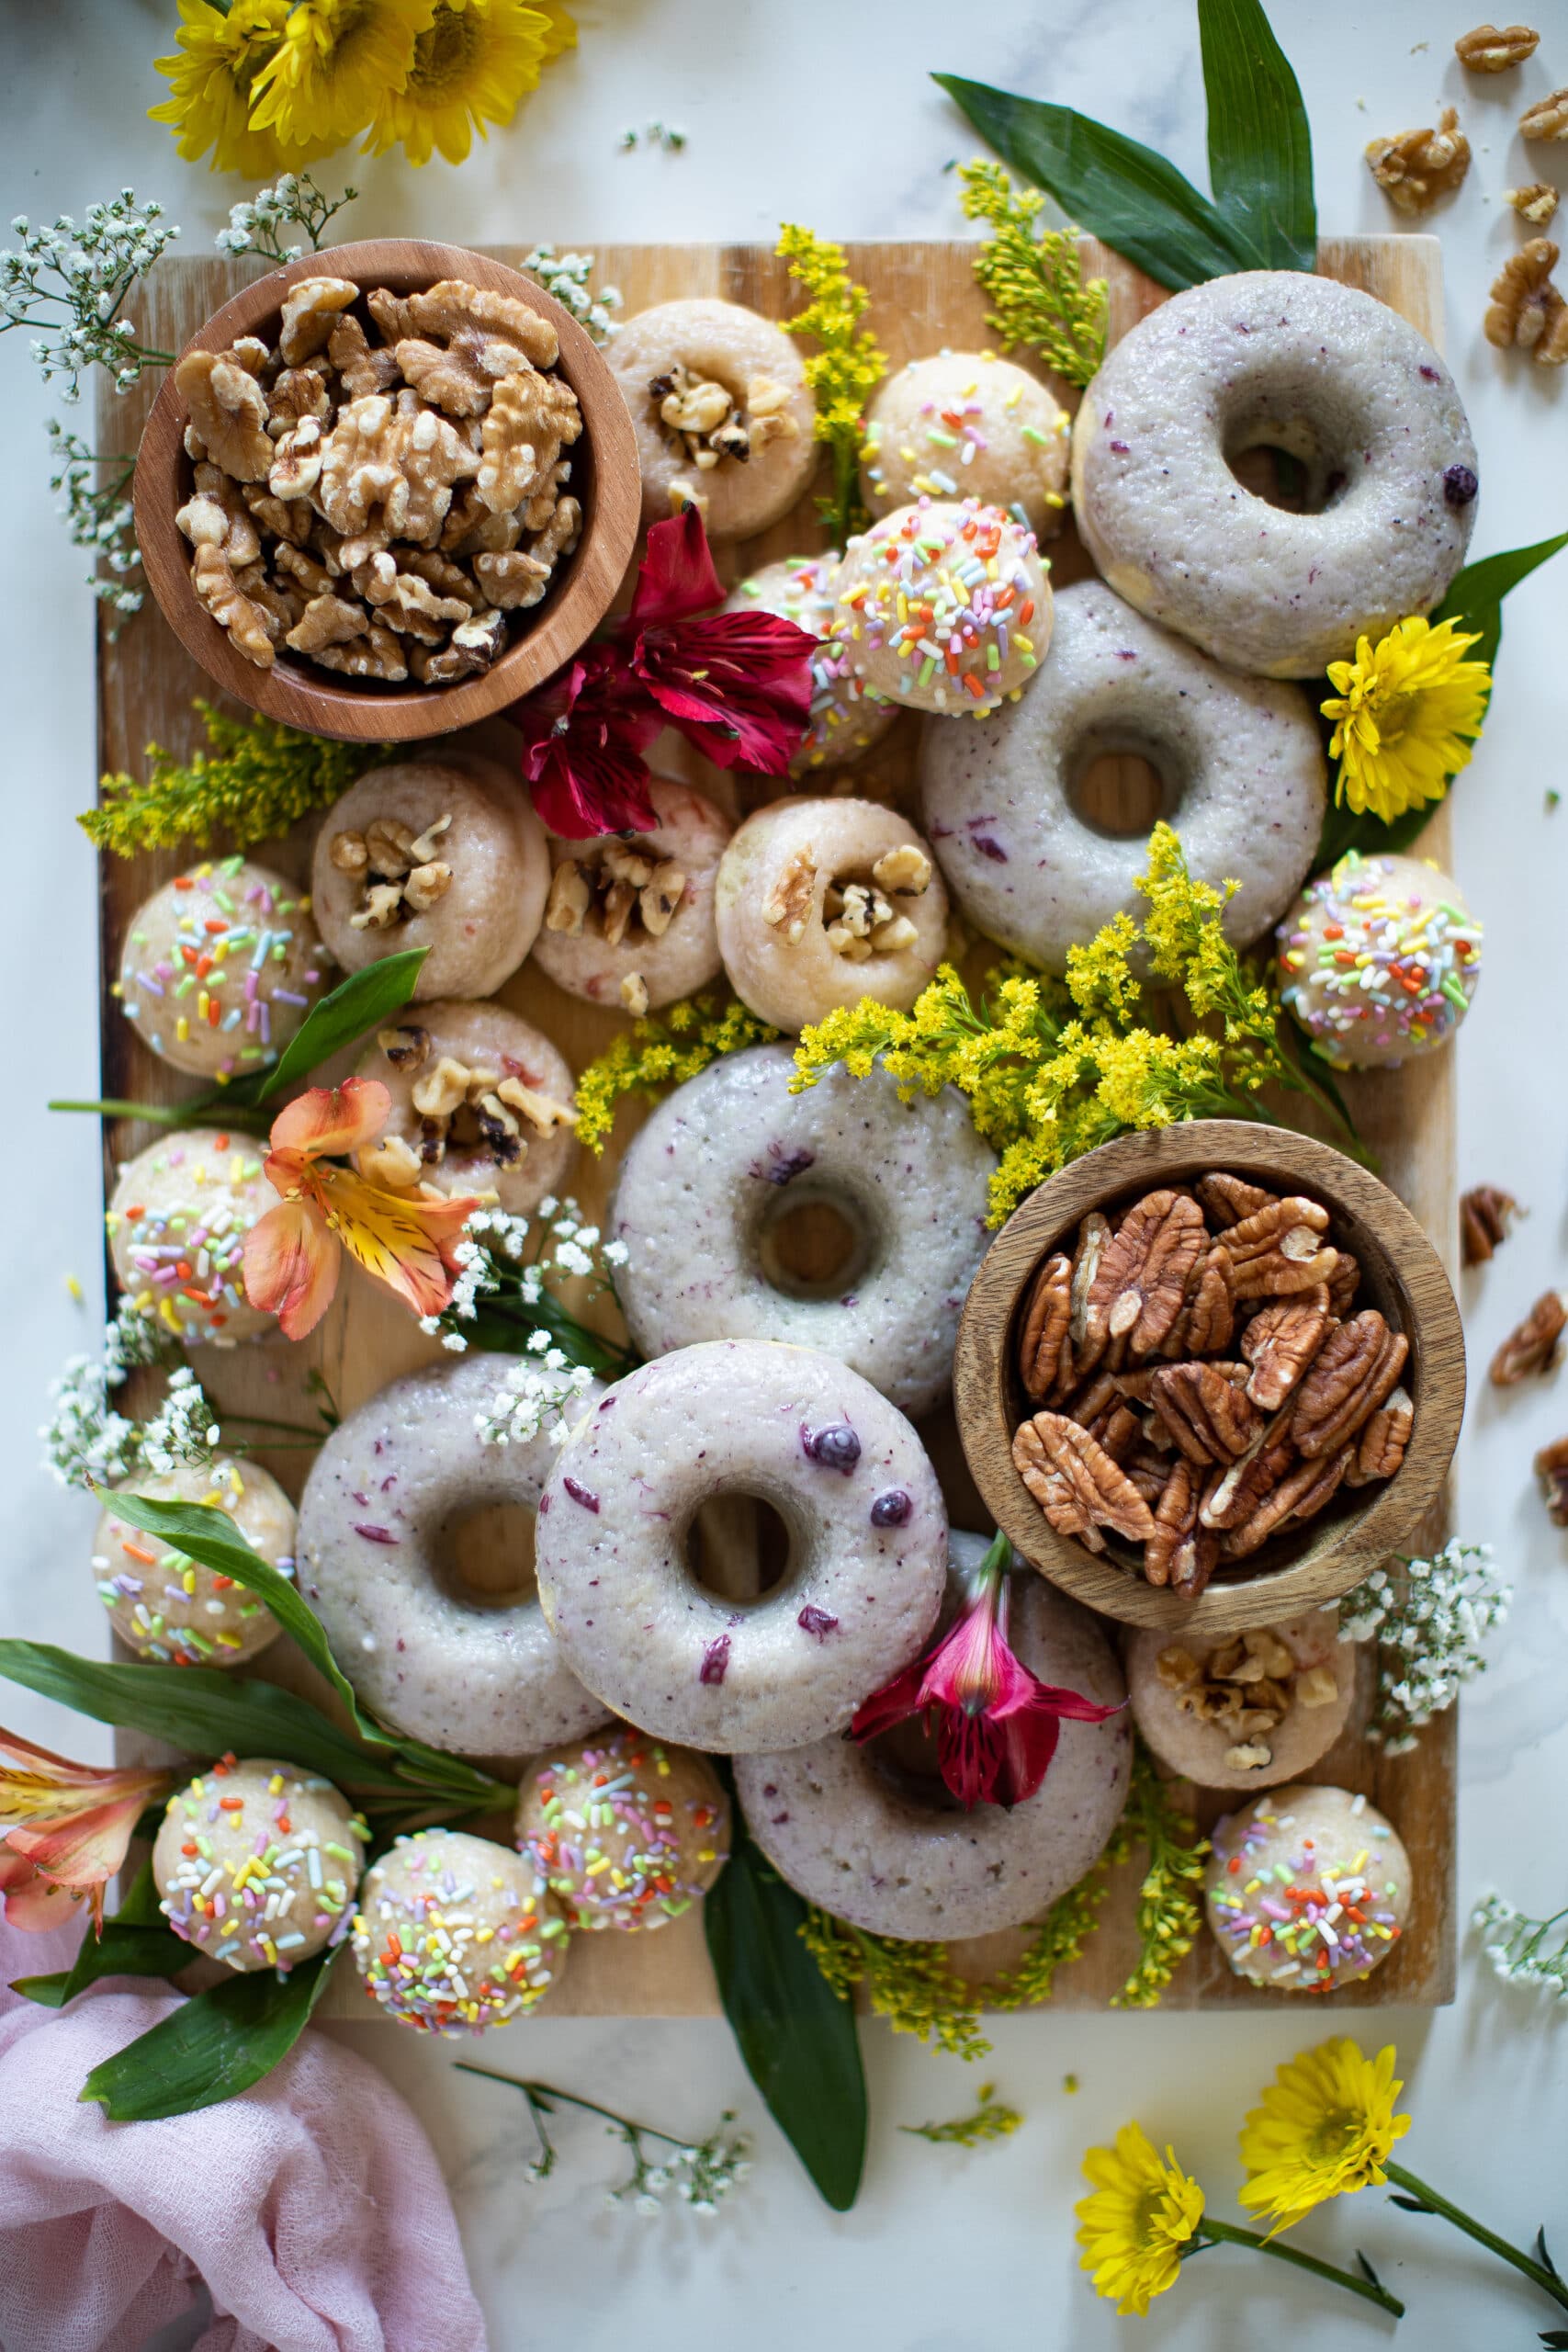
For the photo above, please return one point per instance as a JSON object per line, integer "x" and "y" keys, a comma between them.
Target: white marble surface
{"x": 822, "y": 112}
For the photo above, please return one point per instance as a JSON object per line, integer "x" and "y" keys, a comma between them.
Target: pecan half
{"x": 1485, "y": 1219}
{"x": 1232, "y": 1495}
{"x": 1044, "y": 1351}
{"x": 1210, "y": 1418}
{"x": 1551, "y": 1469}
{"x": 1207, "y": 1321}
{"x": 1279, "y": 1250}
{"x": 1179, "y": 1552}
{"x": 1076, "y": 1482}
{"x": 1355, "y": 1369}
{"x": 1298, "y": 1495}
{"x": 1229, "y": 1198}
{"x": 1533, "y": 1346}
{"x": 1094, "y": 1233}
{"x": 1280, "y": 1341}
{"x": 1141, "y": 1281}
{"x": 1379, "y": 1450}
{"x": 1344, "y": 1282}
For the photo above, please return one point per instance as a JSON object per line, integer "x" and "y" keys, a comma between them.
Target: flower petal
{"x": 677, "y": 575}
{"x": 738, "y": 686}
{"x": 329, "y": 1122}
{"x": 404, "y": 1241}
{"x": 34, "y": 1903}
{"x": 894, "y": 1704}
{"x": 291, "y": 1261}
{"x": 89, "y": 1849}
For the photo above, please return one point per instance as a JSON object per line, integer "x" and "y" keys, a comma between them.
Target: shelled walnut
{"x": 859, "y": 910}
{"x": 1525, "y": 312}
{"x": 1551, "y": 1469}
{"x": 710, "y": 422}
{"x": 380, "y": 508}
{"x": 458, "y": 1107}
{"x": 1199, "y": 1378}
{"x": 1492, "y": 48}
{"x": 1418, "y": 166}
{"x": 1536, "y": 202}
{"x": 628, "y": 890}
{"x": 398, "y": 872}
{"x": 1548, "y": 119}
{"x": 1246, "y": 1688}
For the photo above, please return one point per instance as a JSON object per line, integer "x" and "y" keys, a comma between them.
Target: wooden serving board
{"x": 923, "y": 297}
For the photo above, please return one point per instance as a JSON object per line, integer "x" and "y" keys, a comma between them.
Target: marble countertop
{"x": 823, "y": 112}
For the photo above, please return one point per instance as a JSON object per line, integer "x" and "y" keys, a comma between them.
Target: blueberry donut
{"x": 722, "y": 410}
{"x": 944, "y": 607}
{"x": 967, "y": 425}
{"x": 380, "y": 1506}
{"x": 1274, "y": 359}
{"x": 1243, "y": 1710}
{"x": 454, "y": 1933}
{"x": 481, "y": 1102}
{"x": 704, "y": 1183}
{"x": 821, "y": 902}
{"x": 629, "y": 919}
{"x": 627, "y": 1835}
{"x": 1241, "y": 759}
{"x": 442, "y": 853}
{"x": 171, "y": 1610}
{"x": 890, "y": 1851}
{"x": 220, "y": 968}
{"x": 867, "y": 1536}
{"x": 846, "y": 718}
{"x": 176, "y": 1222}
{"x": 256, "y": 1864}
{"x": 1307, "y": 1889}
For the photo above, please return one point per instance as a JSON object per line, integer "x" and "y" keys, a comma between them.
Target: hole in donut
{"x": 906, "y": 1758}
{"x": 1284, "y": 462}
{"x": 487, "y": 1556}
{"x": 811, "y": 1246}
{"x": 1116, "y": 789}
{"x": 738, "y": 1547}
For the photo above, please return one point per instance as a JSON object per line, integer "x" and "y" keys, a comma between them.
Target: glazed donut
{"x": 1241, "y": 759}
{"x": 888, "y": 1853}
{"x": 1308, "y": 1888}
{"x": 454, "y": 1933}
{"x": 172, "y": 1610}
{"x": 1243, "y": 1710}
{"x": 481, "y": 1102}
{"x": 967, "y": 425}
{"x": 382, "y": 1498}
{"x": 722, "y": 413}
{"x": 255, "y": 1864}
{"x": 176, "y": 1222}
{"x": 1275, "y": 358}
{"x": 703, "y": 1183}
{"x": 442, "y": 853}
{"x": 1380, "y": 960}
{"x": 220, "y": 968}
{"x": 846, "y": 717}
{"x": 626, "y": 1834}
{"x": 629, "y": 921}
{"x": 821, "y": 902}
{"x": 868, "y": 1539}
{"x": 944, "y": 607}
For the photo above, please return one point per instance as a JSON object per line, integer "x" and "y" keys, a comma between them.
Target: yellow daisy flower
{"x": 1325, "y": 2129}
{"x": 1403, "y": 714}
{"x": 1140, "y": 2217}
{"x": 471, "y": 66}
{"x": 334, "y": 66}
{"x": 212, "y": 74}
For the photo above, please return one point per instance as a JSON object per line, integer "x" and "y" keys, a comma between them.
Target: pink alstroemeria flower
{"x": 293, "y": 1255}
{"x": 997, "y": 1727}
{"x": 64, "y": 1829}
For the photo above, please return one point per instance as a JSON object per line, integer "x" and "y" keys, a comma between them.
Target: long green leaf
{"x": 796, "y": 2035}
{"x": 135, "y": 1942}
{"x": 1110, "y": 184}
{"x": 361, "y": 1002}
{"x": 1259, "y": 139}
{"x": 213, "y": 2046}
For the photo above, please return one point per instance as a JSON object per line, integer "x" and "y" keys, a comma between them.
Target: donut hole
{"x": 485, "y": 1558}
{"x": 738, "y": 1547}
{"x": 1116, "y": 786}
{"x": 813, "y": 1243}
{"x": 905, "y": 1760}
{"x": 1287, "y": 460}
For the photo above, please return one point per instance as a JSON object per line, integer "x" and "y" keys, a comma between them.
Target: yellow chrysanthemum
{"x": 1135, "y": 2226}
{"x": 332, "y": 71}
{"x": 1403, "y": 714}
{"x": 212, "y": 77}
{"x": 1325, "y": 2128}
{"x": 472, "y": 65}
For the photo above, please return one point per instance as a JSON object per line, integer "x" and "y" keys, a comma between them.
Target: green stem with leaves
{"x": 1419, "y": 2199}
{"x": 1212, "y": 2232}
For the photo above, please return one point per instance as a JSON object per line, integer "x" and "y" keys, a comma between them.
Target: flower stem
{"x": 1429, "y": 2201}
{"x": 534, "y": 2092}
{"x": 1231, "y": 2233}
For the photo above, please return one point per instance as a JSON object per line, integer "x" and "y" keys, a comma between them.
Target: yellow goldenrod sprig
{"x": 844, "y": 373}
{"x": 1034, "y": 276}
{"x": 1170, "y": 1898}
{"x": 255, "y": 779}
{"x": 657, "y": 1053}
{"x": 992, "y": 2120}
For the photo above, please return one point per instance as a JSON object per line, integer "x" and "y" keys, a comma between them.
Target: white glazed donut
{"x": 846, "y": 717}
{"x": 608, "y": 929}
{"x": 704, "y": 1182}
{"x": 479, "y": 923}
{"x": 945, "y": 608}
{"x": 461, "y": 1056}
{"x": 793, "y": 952}
{"x": 967, "y": 425}
{"x": 697, "y": 349}
{"x": 220, "y": 966}
{"x": 1199, "y": 1699}
{"x": 868, "y": 1546}
{"x": 172, "y": 1610}
{"x": 1308, "y": 1888}
{"x": 883, "y": 1851}
{"x": 177, "y": 1220}
{"x": 1241, "y": 758}
{"x": 1275, "y": 358}
{"x": 383, "y": 1495}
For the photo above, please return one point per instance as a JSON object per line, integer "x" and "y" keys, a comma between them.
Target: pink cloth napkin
{"x": 311, "y": 2206}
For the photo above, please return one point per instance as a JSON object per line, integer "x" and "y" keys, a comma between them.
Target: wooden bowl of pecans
{"x": 387, "y": 490}
{"x": 1210, "y": 1375}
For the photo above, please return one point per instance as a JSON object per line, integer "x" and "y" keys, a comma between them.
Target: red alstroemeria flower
{"x": 583, "y": 738}
{"x": 64, "y": 1829}
{"x": 406, "y": 1240}
{"x": 997, "y": 1727}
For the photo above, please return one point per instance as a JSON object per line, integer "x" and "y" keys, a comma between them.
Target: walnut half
{"x": 1492, "y": 48}
{"x": 1418, "y": 166}
{"x": 1526, "y": 312}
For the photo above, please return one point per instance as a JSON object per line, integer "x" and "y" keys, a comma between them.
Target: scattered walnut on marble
{"x": 1492, "y": 48}
{"x": 1526, "y": 312}
{"x": 1418, "y": 166}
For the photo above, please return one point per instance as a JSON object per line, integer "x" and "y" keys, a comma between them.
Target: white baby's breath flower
{"x": 1430, "y": 1628}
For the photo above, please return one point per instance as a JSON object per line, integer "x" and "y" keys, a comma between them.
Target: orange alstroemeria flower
{"x": 64, "y": 1829}
{"x": 293, "y": 1254}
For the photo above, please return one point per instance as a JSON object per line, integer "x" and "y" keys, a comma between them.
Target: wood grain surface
{"x": 923, "y": 296}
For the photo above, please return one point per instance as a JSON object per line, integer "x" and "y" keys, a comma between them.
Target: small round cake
{"x": 627, "y": 1834}
{"x": 629, "y": 921}
{"x": 1243, "y": 1710}
{"x": 1378, "y": 960}
{"x": 846, "y": 717}
{"x": 1308, "y": 1888}
{"x": 481, "y": 1102}
{"x": 967, "y": 425}
{"x": 944, "y": 607}
{"x": 220, "y": 968}
{"x": 171, "y": 1609}
{"x": 454, "y": 1933}
{"x": 256, "y": 1864}
{"x": 722, "y": 410}
{"x": 177, "y": 1220}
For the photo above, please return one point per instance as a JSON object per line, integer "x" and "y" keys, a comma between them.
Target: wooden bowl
{"x": 604, "y": 478}
{"x": 1401, "y": 1274}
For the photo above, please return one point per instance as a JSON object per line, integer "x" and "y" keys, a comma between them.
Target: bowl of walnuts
{"x": 1209, "y": 1376}
{"x": 387, "y": 490}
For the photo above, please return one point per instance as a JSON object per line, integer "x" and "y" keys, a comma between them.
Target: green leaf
{"x": 504, "y": 1324}
{"x": 1259, "y": 139}
{"x": 213, "y": 2046}
{"x": 135, "y": 1942}
{"x": 1111, "y": 184}
{"x": 796, "y": 2035}
{"x": 362, "y": 1002}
